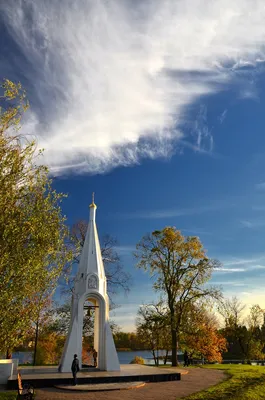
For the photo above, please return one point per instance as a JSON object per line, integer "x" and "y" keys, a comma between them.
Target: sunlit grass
{"x": 245, "y": 382}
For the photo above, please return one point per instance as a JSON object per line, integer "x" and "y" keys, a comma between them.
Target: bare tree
{"x": 117, "y": 278}
{"x": 255, "y": 318}
{"x": 232, "y": 311}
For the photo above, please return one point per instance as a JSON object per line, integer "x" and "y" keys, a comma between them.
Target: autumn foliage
{"x": 32, "y": 227}
{"x": 181, "y": 269}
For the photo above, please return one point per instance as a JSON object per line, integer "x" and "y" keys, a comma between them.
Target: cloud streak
{"x": 229, "y": 270}
{"x": 253, "y": 224}
{"x": 177, "y": 212}
{"x": 260, "y": 186}
{"x": 112, "y": 80}
{"x": 242, "y": 261}
{"x": 247, "y": 269}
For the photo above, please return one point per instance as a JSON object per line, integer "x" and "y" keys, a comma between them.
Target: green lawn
{"x": 245, "y": 382}
{"x": 10, "y": 395}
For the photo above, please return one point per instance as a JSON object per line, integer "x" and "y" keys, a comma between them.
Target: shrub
{"x": 137, "y": 360}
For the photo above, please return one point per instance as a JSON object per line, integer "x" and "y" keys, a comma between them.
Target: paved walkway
{"x": 197, "y": 379}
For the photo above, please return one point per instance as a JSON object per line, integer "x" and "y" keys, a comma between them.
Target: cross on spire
{"x": 93, "y": 205}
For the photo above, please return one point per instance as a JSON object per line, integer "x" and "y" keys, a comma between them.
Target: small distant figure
{"x": 186, "y": 358}
{"x": 75, "y": 368}
{"x": 190, "y": 359}
{"x": 95, "y": 355}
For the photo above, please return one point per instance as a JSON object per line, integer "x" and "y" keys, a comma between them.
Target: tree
{"x": 33, "y": 234}
{"x": 232, "y": 311}
{"x": 181, "y": 269}
{"x": 245, "y": 337}
{"x": 255, "y": 317}
{"x": 61, "y": 315}
{"x": 117, "y": 278}
{"x": 128, "y": 341}
{"x": 200, "y": 334}
{"x": 153, "y": 328}
{"x": 43, "y": 303}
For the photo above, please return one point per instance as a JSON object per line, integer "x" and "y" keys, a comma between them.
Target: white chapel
{"x": 90, "y": 286}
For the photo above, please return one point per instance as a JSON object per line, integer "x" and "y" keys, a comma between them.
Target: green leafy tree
{"x": 181, "y": 269}
{"x": 153, "y": 328}
{"x": 33, "y": 234}
{"x": 128, "y": 341}
{"x": 245, "y": 336}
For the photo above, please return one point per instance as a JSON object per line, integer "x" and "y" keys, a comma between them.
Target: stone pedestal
{"x": 6, "y": 370}
{"x": 15, "y": 362}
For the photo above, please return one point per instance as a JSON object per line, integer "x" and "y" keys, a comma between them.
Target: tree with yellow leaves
{"x": 181, "y": 269}
{"x": 32, "y": 227}
{"x": 200, "y": 335}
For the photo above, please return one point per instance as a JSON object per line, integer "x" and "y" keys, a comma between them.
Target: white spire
{"x": 91, "y": 259}
{"x": 93, "y": 207}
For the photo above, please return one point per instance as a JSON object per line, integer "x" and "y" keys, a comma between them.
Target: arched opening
{"x": 93, "y": 332}
{"x": 89, "y": 341}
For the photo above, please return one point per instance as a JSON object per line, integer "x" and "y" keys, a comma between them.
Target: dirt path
{"x": 196, "y": 380}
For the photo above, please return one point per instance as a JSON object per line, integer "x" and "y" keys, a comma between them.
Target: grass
{"x": 245, "y": 382}
{"x": 10, "y": 395}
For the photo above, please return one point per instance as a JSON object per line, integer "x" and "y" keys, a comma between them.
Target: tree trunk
{"x": 165, "y": 359}
{"x": 174, "y": 348}
{"x": 154, "y": 356}
{"x": 36, "y": 342}
{"x": 177, "y": 348}
{"x": 8, "y": 354}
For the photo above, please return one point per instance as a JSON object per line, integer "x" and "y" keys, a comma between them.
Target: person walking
{"x": 75, "y": 368}
{"x": 186, "y": 358}
{"x": 95, "y": 354}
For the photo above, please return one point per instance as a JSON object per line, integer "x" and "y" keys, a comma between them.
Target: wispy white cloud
{"x": 260, "y": 186}
{"x": 202, "y": 132}
{"x": 242, "y": 261}
{"x": 222, "y": 116}
{"x": 256, "y": 267}
{"x": 125, "y": 250}
{"x": 252, "y": 224}
{"x": 196, "y": 231}
{"x": 177, "y": 212}
{"x": 229, "y": 270}
{"x": 258, "y": 208}
{"x": 249, "y": 94}
{"x": 253, "y": 267}
{"x": 230, "y": 283}
{"x": 113, "y": 80}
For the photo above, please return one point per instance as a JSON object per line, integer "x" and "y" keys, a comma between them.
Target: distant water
{"x": 24, "y": 357}
{"x": 125, "y": 357}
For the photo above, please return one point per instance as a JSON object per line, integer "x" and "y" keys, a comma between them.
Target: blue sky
{"x": 157, "y": 107}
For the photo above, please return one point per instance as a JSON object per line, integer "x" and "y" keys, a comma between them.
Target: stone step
{"x": 102, "y": 387}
